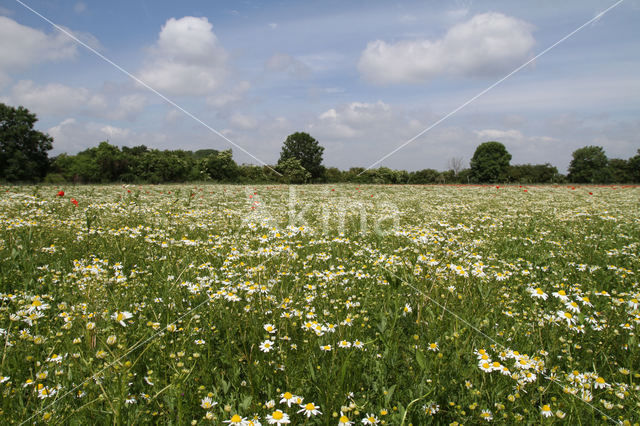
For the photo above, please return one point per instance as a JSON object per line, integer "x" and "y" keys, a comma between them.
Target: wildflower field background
{"x": 319, "y": 304}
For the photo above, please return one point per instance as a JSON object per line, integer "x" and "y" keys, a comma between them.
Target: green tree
{"x": 634, "y": 168}
{"x": 292, "y": 171}
{"x": 334, "y": 175}
{"x": 424, "y": 176}
{"x": 307, "y": 150}
{"x": 620, "y": 170}
{"x": 23, "y": 150}
{"x": 220, "y": 166}
{"x": 490, "y": 162}
{"x": 589, "y": 165}
{"x": 533, "y": 173}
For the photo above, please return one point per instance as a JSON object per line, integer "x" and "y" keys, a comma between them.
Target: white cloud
{"x": 273, "y": 25}
{"x": 281, "y": 62}
{"x": 231, "y": 96}
{"x": 187, "y": 59}
{"x": 243, "y": 121}
{"x": 56, "y": 99}
{"x": 23, "y": 46}
{"x": 115, "y": 133}
{"x": 50, "y": 99}
{"x": 72, "y": 136}
{"x": 487, "y": 44}
{"x": 354, "y": 119}
{"x": 499, "y": 135}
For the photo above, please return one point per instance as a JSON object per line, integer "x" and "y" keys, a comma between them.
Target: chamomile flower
{"x": 538, "y": 293}
{"x": 207, "y": 403}
{"x": 344, "y": 344}
{"x": 433, "y": 347}
{"x": 266, "y": 346}
{"x": 288, "y": 398}
{"x": 370, "y": 419}
{"x": 45, "y": 391}
{"x": 561, "y": 294}
{"x": 406, "y": 310}
{"x": 269, "y": 328}
{"x": 566, "y": 316}
{"x": 545, "y": 410}
{"x": 486, "y": 415}
{"x": 344, "y": 420}
{"x": 310, "y": 409}
{"x": 120, "y": 317}
{"x": 325, "y": 348}
{"x": 278, "y": 418}
{"x": 600, "y": 383}
{"x": 236, "y": 420}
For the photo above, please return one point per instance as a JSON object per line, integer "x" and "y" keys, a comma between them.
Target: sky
{"x": 363, "y": 77}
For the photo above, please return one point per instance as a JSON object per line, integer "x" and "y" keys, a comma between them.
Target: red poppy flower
{"x": 60, "y": 193}
{"x": 75, "y": 202}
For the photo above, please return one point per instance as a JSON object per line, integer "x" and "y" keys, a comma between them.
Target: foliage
{"x": 219, "y": 165}
{"x": 533, "y": 173}
{"x": 292, "y": 171}
{"x": 23, "y": 150}
{"x": 425, "y": 176}
{"x": 619, "y": 170}
{"x": 589, "y": 165}
{"x": 634, "y": 168}
{"x": 307, "y": 150}
{"x": 490, "y": 162}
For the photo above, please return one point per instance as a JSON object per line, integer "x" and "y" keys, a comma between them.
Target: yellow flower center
{"x": 344, "y": 419}
{"x": 277, "y": 415}
{"x": 546, "y": 408}
{"x": 309, "y": 406}
{"x": 236, "y": 419}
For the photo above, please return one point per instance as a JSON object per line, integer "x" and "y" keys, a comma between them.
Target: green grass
{"x": 384, "y": 271}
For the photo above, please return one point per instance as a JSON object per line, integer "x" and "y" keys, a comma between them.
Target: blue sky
{"x": 362, "y": 77}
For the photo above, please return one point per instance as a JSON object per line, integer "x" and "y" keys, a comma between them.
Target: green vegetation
{"x": 23, "y": 150}
{"x": 490, "y": 163}
{"x": 201, "y": 304}
{"x": 23, "y": 158}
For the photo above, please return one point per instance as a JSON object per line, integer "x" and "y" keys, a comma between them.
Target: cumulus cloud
{"x": 231, "y": 96}
{"x": 487, "y": 44}
{"x": 72, "y": 136}
{"x": 50, "y": 99}
{"x": 57, "y": 99}
{"x": 23, "y": 46}
{"x": 281, "y": 62}
{"x": 243, "y": 121}
{"x": 354, "y": 119}
{"x": 499, "y": 135}
{"x": 187, "y": 58}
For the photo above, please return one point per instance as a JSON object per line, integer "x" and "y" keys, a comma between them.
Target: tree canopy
{"x": 23, "y": 150}
{"x": 307, "y": 150}
{"x": 589, "y": 165}
{"x": 490, "y": 162}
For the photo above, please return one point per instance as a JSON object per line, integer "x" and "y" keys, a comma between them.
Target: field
{"x": 340, "y": 304}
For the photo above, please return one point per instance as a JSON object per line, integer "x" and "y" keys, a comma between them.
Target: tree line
{"x": 24, "y": 158}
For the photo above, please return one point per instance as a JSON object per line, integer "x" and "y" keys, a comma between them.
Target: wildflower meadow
{"x": 319, "y": 304}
